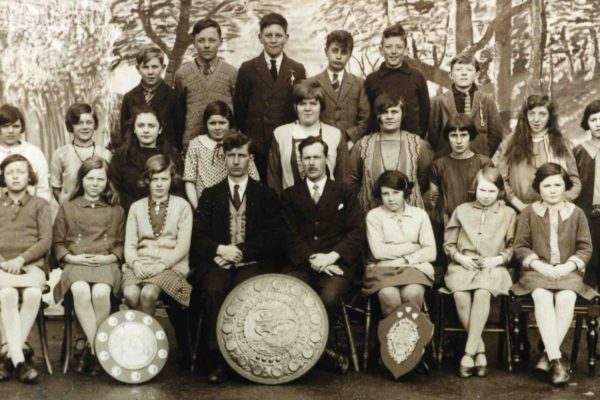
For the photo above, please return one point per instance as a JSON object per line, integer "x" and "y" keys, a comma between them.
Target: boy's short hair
{"x": 341, "y": 37}
{"x": 33, "y": 180}
{"x": 205, "y": 23}
{"x": 74, "y": 114}
{"x": 235, "y": 139}
{"x": 463, "y": 58}
{"x": 11, "y": 114}
{"x": 273, "y": 19}
{"x": 395, "y": 30}
{"x": 592, "y": 108}
{"x": 308, "y": 89}
{"x": 549, "y": 169}
{"x": 147, "y": 53}
{"x": 460, "y": 122}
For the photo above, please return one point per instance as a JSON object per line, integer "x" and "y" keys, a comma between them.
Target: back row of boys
{"x": 260, "y": 93}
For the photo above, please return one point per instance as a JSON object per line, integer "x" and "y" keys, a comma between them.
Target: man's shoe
{"x": 26, "y": 373}
{"x": 219, "y": 375}
{"x": 559, "y": 372}
{"x": 336, "y": 361}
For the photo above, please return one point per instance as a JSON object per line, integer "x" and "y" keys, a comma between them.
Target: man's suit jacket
{"x": 263, "y": 224}
{"x": 347, "y": 109}
{"x": 260, "y": 104}
{"x": 335, "y": 223}
{"x": 168, "y": 103}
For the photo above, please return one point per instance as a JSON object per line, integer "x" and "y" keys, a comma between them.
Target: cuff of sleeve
{"x": 578, "y": 262}
{"x": 411, "y": 259}
{"x": 27, "y": 257}
{"x": 529, "y": 259}
{"x": 119, "y": 256}
{"x": 61, "y": 253}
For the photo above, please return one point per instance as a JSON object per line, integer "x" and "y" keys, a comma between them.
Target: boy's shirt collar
{"x": 472, "y": 89}
{"x": 340, "y": 75}
{"x": 212, "y": 64}
{"x": 278, "y": 60}
{"x": 385, "y": 70}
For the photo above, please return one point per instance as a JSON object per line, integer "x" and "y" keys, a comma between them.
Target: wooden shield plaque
{"x": 272, "y": 329}
{"x": 403, "y": 336}
{"x": 131, "y": 346}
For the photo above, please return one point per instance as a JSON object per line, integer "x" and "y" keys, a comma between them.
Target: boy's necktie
{"x": 335, "y": 82}
{"x": 206, "y": 68}
{"x": 467, "y": 103}
{"x": 237, "y": 202}
{"x": 274, "y": 69}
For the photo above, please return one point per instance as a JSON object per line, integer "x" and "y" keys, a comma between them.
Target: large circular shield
{"x": 272, "y": 328}
{"x": 131, "y": 346}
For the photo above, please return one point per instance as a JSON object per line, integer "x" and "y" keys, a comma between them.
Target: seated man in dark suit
{"x": 237, "y": 230}
{"x": 325, "y": 233}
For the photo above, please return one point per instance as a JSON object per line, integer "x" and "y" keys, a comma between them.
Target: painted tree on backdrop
{"x": 167, "y": 24}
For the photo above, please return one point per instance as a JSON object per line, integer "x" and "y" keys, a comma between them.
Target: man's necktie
{"x": 237, "y": 202}
{"x": 316, "y": 195}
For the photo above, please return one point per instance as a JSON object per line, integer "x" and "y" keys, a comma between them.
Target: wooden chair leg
{"x": 350, "y": 338}
{"x": 505, "y": 315}
{"x": 196, "y": 344}
{"x": 576, "y": 338}
{"x": 367, "y": 331}
{"x": 440, "y": 327}
{"x": 592, "y": 342}
{"x": 67, "y": 339}
{"x": 41, "y": 321}
{"x": 516, "y": 336}
{"x": 524, "y": 344}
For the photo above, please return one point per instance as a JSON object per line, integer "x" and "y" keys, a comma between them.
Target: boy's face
{"x": 463, "y": 75}
{"x": 273, "y": 38}
{"x": 151, "y": 71}
{"x": 207, "y": 44}
{"x": 393, "y": 50}
{"x": 337, "y": 57}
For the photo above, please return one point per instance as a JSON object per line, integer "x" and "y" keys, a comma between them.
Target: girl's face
{"x": 393, "y": 200}
{"x": 10, "y": 133}
{"x": 94, "y": 183}
{"x": 594, "y": 123}
{"x": 552, "y": 189}
{"x": 160, "y": 183}
{"x": 486, "y": 192}
{"x": 308, "y": 111}
{"x": 459, "y": 141}
{"x": 217, "y": 126}
{"x": 147, "y": 128}
{"x": 537, "y": 118}
{"x": 16, "y": 176}
{"x": 390, "y": 119}
{"x": 83, "y": 131}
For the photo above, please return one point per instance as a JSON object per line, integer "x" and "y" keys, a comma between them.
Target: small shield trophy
{"x": 403, "y": 336}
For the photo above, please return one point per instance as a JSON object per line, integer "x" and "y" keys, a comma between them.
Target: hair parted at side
{"x": 394, "y": 180}
{"x": 592, "y": 108}
{"x": 343, "y": 38}
{"x": 235, "y": 139}
{"x": 147, "y": 53}
{"x": 460, "y": 122}
{"x": 10, "y": 114}
{"x": 309, "y": 141}
{"x": 74, "y": 114}
{"x": 550, "y": 169}
{"x": 273, "y": 19}
{"x": 159, "y": 163}
{"x": 465, "y": 59}
{"x": 205, "y": 23}
{"x": 33, "y": 180}
{"x": 395, "y": 30}
{"x": 306, "y": 90}
{"x": 110, "y": 195}
{"x": 217, "y": 107}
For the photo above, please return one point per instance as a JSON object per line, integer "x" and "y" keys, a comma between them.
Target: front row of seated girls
{"x": 552, "y": 243}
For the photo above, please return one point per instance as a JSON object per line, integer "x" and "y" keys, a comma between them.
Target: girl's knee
{"x": 32, "y": 294}
{"x": 482, "y": 295}
{"x": 80, "y": 290}
{"x": 388, "y": 294}
{"x": 541, "y": 295}
{"x": 9, "y": 296}
{"x": 131, "y": 293}
{"x": 101, "y": 292}
{"x": 149, "y": 294}
{"x": 413, "y": 293}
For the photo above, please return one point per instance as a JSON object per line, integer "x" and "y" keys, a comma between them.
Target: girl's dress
{"x": 555, "y": 238}
{"x": 26, "y": 231}
{"x": 162, "y": 231}
{"x": 85, "y": 227}
{"x": 366, "y": 164}
{"x": 205, "y": 164}
{"x": 477, "y": 232}
{"x": 390, "y": 237}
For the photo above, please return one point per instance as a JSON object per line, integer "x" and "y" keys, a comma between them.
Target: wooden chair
{"x": 502, "y": 327}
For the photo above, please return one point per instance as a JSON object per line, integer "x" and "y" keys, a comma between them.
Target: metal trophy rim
{"x": 249, "y": 376}
{"x": 108, "y": 363}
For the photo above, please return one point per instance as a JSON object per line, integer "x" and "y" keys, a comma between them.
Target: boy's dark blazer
{"x": 167, "y": 102}
{"x": 335, "y": 223}
{"x": 263, "y": 224}
{"x": 347, "y": 109}
{"x": 260, "y": 104}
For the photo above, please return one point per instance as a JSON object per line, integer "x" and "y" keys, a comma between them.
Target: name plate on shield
{"x": 272, "y": 328}
{"x": 131, "y": 346}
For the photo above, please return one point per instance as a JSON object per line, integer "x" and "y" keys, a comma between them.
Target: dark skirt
{"x": 171, "y": 282}
{"x": 109, "y": 274}
{"x": 377, "y": 278}
{"x": 531, "y": 280}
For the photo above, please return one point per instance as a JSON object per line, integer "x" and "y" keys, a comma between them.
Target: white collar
{"x": 243, "y": 184}
{"x": 12, "y": 149}
{"x": 207, "y": 141}
{"x": 339, "y": 74}
{"x": 565, "y": 212}
{"x": 277, "y": 59}
{"x": 591, "y": 148}
{"x": 320, "y": 183}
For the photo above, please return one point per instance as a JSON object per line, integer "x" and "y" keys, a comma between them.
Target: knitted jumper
{"x": 200, "y": 89}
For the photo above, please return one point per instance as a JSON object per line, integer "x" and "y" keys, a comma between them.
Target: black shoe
{"x": 6, "y": 369}
{"x": 559, "y": 372}
{"x": 218, "y": 375}
{"x": 94, "y": 368}
{"x": 85, "y": 361}
{"x": 464, "y": 371}
{"x": 336, "y": 361}
{"x": 28, "y": 352}
{"x": 26, "y": 373}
